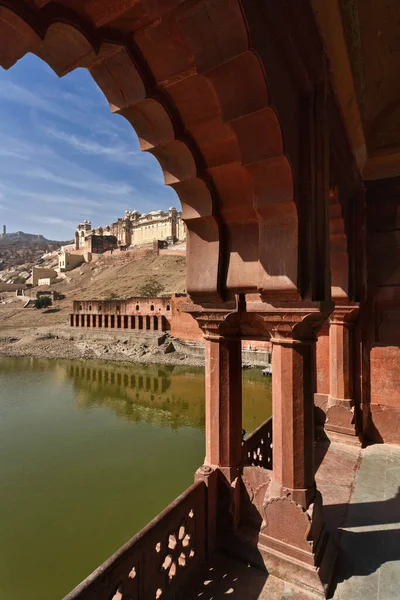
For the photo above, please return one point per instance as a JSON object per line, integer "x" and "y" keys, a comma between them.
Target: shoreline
{"x": 60, "y": 343}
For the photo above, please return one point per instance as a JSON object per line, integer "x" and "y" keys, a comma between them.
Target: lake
{"x": 89, "y": 453}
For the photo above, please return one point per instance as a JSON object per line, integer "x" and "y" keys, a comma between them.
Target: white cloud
{"x": 77, "y": 109}
{"x": 81, "y": 204}
{"x": 48, "y": 220}
{"x": 94, "y": 186}
{"x": 31, "y": 160}
{"x": 118, "y": 152}
{"x": 9, "y": 153}
{"x": 21, "y": 95}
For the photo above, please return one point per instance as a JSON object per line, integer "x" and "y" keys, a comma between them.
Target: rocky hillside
{"x": 123, "y": 275}
{"x": 120, "y": 275}
{"x": 20, "y": 251}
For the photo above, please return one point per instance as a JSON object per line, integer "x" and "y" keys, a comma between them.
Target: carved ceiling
{"x": 362, "y": 39}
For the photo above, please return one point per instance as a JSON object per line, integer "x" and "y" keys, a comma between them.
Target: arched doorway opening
{"x": 231, "y": 147}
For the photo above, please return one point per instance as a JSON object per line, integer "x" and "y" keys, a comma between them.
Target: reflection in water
{"x": 166, "y": 395}
{"x": 90, "y": 452}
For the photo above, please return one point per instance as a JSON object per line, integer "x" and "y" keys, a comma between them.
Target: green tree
{"x": 151, "y": 290}
{"x": 43, "y": 302}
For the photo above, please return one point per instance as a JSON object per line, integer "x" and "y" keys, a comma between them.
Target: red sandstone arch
{"x": 185, "y": 77}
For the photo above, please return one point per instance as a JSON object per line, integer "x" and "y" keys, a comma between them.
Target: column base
{"x": 295, "y": 545}
{"x": 335, "y": 416}
{"x": 291, "y": 543}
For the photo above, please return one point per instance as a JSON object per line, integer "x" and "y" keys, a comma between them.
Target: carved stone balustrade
{"x": 257, "y": 447}
{"x": 159, "y": 561}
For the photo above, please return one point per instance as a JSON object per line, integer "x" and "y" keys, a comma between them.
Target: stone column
{"x": 293, "y": 418}
{"x": 223, "y": 404}
{"x": 340, "y": 409}
{"x": 293, "y": 539}
{"x": 151, "y": 319}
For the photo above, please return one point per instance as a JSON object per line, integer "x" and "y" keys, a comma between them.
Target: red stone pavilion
{"x": 278, "y": 126}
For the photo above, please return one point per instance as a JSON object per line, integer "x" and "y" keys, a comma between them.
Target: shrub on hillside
{"x": 152, "y": 289}
{"x": 43, "y": 302}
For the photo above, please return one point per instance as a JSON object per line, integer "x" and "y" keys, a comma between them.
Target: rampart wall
{"x": 141, "y": 314}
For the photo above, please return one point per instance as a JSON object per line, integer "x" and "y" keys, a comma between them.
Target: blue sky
{"x": 64, "y": 157}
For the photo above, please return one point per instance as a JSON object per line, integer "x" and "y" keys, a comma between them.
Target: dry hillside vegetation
{"x": 124, "y": 277}
{"x": 119, "y": 275}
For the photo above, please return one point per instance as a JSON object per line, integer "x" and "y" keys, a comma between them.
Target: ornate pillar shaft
{"x": 223, "y": 404}
{"x": 293, "y": 418}
{"x": 293, "y": 329}
{"x": 340, "y": 410}
{"x": 293, "y": 539}
{"x": 339, "y": 363}
{"x": 340, "y": 351}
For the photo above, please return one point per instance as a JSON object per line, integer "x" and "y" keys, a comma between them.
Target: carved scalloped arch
{"x": 209, "y": 42}
{"x": 65, "y": 47}
{"x": 199, "y": 57}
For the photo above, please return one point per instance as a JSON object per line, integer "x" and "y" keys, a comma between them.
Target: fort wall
{"x": 152, "y": 315}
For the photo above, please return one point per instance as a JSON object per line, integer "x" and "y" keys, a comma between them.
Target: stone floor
{"x": 367, "y": 529}
{"x": 370, "y": 539}
{"x": 227, "y": 579}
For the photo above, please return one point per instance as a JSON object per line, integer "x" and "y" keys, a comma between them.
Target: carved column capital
{"x": 215, "y": 321}
{"x": 294, "y": 322}
{"x": 216, "y": 324}
{"x": 344, "y": 314}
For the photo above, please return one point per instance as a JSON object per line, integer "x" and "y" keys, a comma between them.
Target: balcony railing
{"x": 257, "y": 447}
{"x": 158, "y": 561}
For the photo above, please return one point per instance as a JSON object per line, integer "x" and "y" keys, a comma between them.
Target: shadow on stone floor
{"x": 363, "y": 553}
{"x": 367, "y": 514}
{"x": 321, "y": 449}
{"x": 224, "y": 577}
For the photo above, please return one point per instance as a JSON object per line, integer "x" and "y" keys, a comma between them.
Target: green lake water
{"x": 89, "y": 453}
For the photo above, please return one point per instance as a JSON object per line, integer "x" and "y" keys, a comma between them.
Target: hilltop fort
{"x": 132, "y": 229}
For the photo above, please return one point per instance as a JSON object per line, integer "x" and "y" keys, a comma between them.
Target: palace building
{"x": 134, "y": 229}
